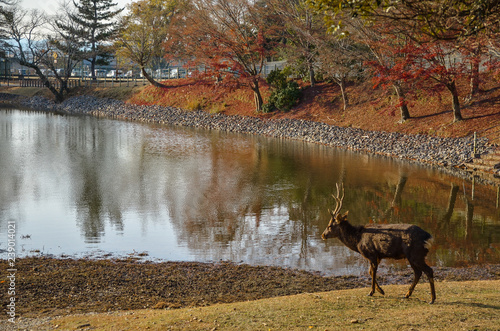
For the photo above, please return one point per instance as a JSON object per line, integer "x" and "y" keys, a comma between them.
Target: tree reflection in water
{"x": 210, "y": 195}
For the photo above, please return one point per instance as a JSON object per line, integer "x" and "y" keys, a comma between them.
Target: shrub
{"x": 285, "y": 93}
{"x": 277, "y": 79}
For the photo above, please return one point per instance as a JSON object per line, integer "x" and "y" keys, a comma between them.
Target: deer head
{"x": 332, "y": 230}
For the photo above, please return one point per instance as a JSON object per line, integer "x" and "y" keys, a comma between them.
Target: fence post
{"x": 475, "y": 144}
{"x": 498, "y": 195}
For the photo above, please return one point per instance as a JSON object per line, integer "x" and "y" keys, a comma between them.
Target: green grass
{"x": 460, "y": 305}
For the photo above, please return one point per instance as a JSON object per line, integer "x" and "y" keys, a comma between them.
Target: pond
{"x": 82, "y": 186}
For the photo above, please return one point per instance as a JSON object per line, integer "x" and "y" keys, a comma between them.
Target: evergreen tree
{"x": 95, "y": 27}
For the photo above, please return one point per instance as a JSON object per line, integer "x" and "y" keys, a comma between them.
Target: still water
{"x": 83, "y": 186}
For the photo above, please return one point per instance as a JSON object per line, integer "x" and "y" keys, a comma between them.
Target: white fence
{"x": 112, "y": 78}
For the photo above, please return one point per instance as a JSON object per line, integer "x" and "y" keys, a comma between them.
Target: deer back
{"x": 395, "y": 241}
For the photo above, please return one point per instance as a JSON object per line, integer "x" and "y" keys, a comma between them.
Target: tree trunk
{"x": 257, "y": 96}
{"x": 150, "y": 79}
{"x": 474, "y": 78}
{"x": 345, "y": 99}
{"x": 59, "y": 95}
{"x": 311, "y": 75}
{"x": 405, "y": 113}
{"x": 92, "y": 69}
{"x": 457, "y": 114}
{"x": 474, "y": 70}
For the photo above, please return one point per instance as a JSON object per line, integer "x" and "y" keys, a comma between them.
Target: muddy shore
{"x": 51, "y": 287}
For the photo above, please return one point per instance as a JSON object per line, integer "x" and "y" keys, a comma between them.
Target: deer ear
{"x": 343, "y": 218}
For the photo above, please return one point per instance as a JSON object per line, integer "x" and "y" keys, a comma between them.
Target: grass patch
{"x": 218, "y": 107}
{"x": 28, "y": 91}
{"x": 195, "y": 104}
{"x": 460, "y": 305}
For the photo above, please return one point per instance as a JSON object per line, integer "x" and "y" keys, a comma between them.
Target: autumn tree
{"x": 438, "y": 20}
{"x": 145, "y": 29}
{"x": 93, "y": 23}
{"x": 302, "y": 30}
{"x": 441, "y": 62}
{"x": 479, "y": 52}
{"x": 388, "y": 62}
{"x": 231, "y": 36}
{"x": 341, "y": 60}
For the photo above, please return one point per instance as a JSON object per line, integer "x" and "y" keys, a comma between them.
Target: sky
{"x": 50, "y": 6}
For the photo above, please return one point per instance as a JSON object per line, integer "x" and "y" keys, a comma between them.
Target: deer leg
{"x": 373, "y": 274}
{"x": 430, "y": 275}
{"x": 379, "y": 289}
{"x": 418, "y": 273}
{"x": 373, "y": 279}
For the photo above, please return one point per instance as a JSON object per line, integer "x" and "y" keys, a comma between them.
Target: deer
{"x": 379, "y": 241}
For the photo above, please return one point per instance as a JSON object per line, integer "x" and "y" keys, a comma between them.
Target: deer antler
{"x": 338, "y": 200}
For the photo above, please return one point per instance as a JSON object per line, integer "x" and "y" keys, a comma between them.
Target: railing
{"x": 24, "y": 81}
{"x": 173, "y": 72}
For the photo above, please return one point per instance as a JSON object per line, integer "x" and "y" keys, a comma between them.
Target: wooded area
{"x": 405, "y": 46}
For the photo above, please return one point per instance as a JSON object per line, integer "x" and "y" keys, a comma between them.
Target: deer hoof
{"x": 371, "y": 293}
{"x": 432, "y": 301}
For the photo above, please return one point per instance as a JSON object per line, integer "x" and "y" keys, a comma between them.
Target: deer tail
{"x": 428, "y": 243}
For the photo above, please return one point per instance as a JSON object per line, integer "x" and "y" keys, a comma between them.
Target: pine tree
{"x": 94, "y": 19}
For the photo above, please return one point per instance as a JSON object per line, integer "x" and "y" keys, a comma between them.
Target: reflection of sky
{"x": 79, "y": 185}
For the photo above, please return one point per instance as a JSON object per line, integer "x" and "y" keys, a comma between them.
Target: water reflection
{"x": 78, "y": 184}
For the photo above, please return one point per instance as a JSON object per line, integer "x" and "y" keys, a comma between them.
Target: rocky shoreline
{"x": 446, "y": 153}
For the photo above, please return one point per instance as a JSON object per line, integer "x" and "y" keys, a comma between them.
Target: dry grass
{"x": 27, "y": 91}
{"x": 369, "y": 109}
{"x": 229, "y": 97}
{"x": 460, "y": 305}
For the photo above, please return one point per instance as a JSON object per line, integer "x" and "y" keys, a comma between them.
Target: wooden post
{"x": 498, "y": 194}
{"x": 475, "y": 142}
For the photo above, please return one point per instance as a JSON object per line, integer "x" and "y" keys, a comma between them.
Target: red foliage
{"x": 229, "y": 37}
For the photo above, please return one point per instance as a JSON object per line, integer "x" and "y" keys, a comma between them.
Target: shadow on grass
{"x": 471, "y": 304}
{"x": 432, "y": 115}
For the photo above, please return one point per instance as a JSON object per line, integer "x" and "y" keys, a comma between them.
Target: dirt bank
{"x": 49, "y": 287}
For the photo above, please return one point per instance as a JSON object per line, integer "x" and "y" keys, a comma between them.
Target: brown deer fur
{"x": 379, "y": 241}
